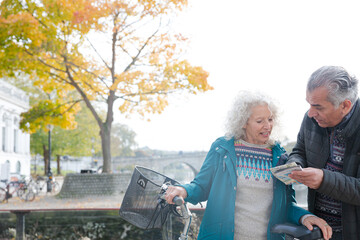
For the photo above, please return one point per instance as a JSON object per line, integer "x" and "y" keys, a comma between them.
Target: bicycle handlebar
{"x": 178, "y": 200}
{"x": 186, "y": 214}
{"x": 298, "y": 232}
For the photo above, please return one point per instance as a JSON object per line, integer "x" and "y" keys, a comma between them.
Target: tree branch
{"x": 134, "y": 59}
{"x": 97, "y": 53}
{"x": 83, "y": 95}
{"x": 42, "y": 113}
{"x": 44, "y": 63}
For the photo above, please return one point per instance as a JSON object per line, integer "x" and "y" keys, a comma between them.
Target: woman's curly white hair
{"x": 241, "y": 110}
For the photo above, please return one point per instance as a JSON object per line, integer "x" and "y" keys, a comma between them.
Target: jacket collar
{"x": 228, "y": 146}
{"x": 353, "y": 123}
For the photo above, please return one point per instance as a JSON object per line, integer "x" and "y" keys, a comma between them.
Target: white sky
{"x": 272, "y": 46}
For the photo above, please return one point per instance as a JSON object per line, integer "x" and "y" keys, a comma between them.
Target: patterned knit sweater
{"x": 254, "y": 194}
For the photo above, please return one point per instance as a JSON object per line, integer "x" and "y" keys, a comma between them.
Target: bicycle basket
{"x": 141, "y": 205}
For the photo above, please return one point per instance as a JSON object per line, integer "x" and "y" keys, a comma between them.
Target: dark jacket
{"x": 216, "y": 182}
{"x": 312, "y": 150}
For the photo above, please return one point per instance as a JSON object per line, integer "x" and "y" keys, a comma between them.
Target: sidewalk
{"x": 51, "y": 203}
{"x": 91, "y": 200}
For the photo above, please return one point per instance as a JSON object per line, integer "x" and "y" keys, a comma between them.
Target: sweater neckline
{"x": 241, "y": 141}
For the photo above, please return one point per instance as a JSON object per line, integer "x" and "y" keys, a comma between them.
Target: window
{"x": 5, "y": 170}
{"x": 3, "y": 138}
{"x": 15, "y": 140}
{"x": 18, "y": 167}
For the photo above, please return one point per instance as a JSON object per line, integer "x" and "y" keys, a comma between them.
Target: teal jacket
{"x": 216, "y": 183}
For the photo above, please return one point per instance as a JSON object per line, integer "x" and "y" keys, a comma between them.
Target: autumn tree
{"x": 106, "y": 51}
{"x": 75, "y": 142}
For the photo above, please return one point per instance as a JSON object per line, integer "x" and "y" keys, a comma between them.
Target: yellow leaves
{"x": 149, "y": 91}
{"x": 125, "y": 107}
{"x": 158, "y": 7}
{"x": 125, "y": 79}
{"x": 161, "y": 104}
{"x": 57, "y": 113}
{"x": 162, "y": 54}
{"x": 59, "y": 47}
{"x": 192, "y": 78}
{"x": 123, "y": 6}
{"x": 181, "y": 38}
{"x": 81, "y": 15}
{"x": 87, "y": 13}
{"x": 197, "y": 77}
{"x": 21, "y": 24}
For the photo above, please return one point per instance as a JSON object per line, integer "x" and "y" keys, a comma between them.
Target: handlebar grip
{"x": 296, "y": 231}
{"x": 178, "y": 200}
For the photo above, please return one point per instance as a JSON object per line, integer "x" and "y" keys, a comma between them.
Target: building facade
{"x": 14, "y": 144}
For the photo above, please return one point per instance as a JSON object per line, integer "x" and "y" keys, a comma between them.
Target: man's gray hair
{"x": 240, "y": 112}
{"x": 337, "y": 80}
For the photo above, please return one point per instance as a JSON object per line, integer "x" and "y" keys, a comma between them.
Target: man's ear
{"x": 346, "y": 106}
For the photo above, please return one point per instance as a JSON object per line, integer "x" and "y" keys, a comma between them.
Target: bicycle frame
{"x": 186, "y": 214}
{"x": 41, "y": 184}
{"x": 19, "y": 187}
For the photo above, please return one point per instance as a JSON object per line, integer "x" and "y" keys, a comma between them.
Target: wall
{"x": 81, "y": 185}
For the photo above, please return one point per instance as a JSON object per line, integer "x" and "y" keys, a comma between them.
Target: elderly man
{"x": 328, "y": 149}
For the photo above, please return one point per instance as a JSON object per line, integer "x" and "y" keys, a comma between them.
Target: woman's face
{"x": 259, "y": 125}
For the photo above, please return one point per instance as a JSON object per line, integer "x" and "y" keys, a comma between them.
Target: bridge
{"x": 182, "y": 167}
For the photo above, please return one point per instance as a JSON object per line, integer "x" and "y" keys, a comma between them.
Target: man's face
{"x": 323, "y": 111}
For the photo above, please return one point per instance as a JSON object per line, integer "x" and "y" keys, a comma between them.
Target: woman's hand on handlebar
{"x": 173, "y": 191}
{"x": 321, "y": 223}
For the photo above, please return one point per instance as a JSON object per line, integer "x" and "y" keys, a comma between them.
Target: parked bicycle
{"x": 40, "y": 184}
{"x": 18, "y": 188}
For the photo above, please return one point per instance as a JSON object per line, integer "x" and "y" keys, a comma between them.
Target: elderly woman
{"x": 243, "y": 199}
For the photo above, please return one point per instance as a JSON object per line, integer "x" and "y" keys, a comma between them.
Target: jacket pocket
{"x": 220, "y": 230}
{"x": 210, "y": 231}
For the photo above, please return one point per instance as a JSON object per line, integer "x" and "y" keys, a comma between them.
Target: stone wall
{"x": 81, "y": 185}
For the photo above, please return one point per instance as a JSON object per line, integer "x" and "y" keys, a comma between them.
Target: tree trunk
{"x": 105, "y": 145}
{"x": 46, "y": 159}
{"x": 58, "y": 164}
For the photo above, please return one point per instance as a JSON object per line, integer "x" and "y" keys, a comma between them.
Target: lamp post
{"x": 49, "y": 173}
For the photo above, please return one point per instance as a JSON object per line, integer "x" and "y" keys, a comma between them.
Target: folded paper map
{"x": 282, "y": 172}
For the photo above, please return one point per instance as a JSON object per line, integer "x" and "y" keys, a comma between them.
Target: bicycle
{"x": 40, "y": 183}
{"x": 20, "y": 188}
{"x": 144, "y": 203}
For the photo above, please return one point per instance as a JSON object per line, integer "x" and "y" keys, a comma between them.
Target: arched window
{"x": 16, "y": 135}
{"x": 18, "y": 167}
{"x": 5, "y": 170}
{"x": 3, "y": 133}
{"x": 3, "y": 138}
